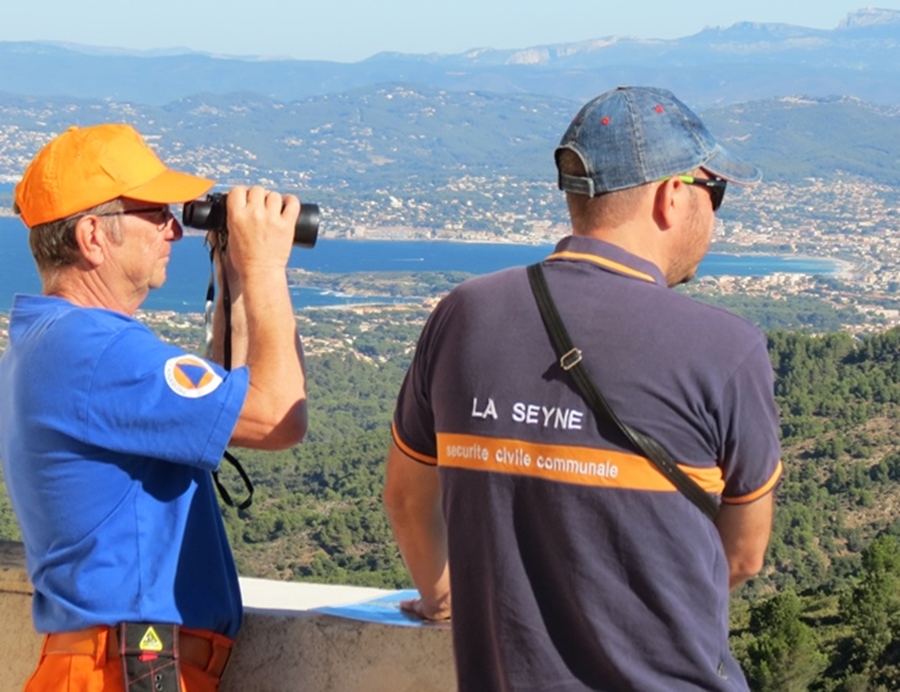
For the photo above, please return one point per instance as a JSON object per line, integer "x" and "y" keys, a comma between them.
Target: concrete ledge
{"x": 20, "y": 645}
{"x": 13, "y": 578}
{"x": 283, "y": 646}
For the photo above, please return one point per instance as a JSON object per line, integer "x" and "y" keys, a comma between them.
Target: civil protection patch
{"x": 191, "y": 377}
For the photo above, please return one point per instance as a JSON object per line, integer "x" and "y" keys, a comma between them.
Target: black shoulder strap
{"x": 210, "y": 303}
{"x": 223, "y": 491}
{"x": 570, "y": 361}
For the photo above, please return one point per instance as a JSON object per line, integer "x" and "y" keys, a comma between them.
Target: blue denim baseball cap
{"x": 635, "y": 135}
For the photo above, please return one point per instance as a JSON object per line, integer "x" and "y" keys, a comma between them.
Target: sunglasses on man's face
{"x": 160, "y": 216}
{"x": 715, "y": 187}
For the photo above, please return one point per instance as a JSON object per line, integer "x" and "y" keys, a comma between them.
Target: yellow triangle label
{"x": 150, "y": 641}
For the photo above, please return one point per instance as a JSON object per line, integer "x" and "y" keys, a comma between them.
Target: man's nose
{"x": 174, "y": 231}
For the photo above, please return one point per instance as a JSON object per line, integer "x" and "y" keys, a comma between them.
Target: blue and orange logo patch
{"x": 191, "y": 377}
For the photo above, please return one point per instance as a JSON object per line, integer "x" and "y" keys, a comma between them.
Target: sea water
{"x": 188, "y": 270}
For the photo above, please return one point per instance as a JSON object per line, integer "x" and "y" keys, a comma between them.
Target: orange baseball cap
{"x": 87, "y": 166}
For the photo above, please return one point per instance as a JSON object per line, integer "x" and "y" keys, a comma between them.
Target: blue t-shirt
{"x": 107, "y": 438}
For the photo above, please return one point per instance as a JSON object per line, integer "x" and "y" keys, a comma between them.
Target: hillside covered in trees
{"x": 823, "y": 615}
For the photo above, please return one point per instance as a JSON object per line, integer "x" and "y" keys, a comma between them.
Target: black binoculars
{"x": 209, "y": 214}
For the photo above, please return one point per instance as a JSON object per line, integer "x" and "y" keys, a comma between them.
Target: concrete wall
{"x": 284, "y": 644}
{"x": 19, "y": 644}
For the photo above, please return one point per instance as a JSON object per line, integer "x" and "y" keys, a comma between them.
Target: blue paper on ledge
{"x": 384, "y": 611}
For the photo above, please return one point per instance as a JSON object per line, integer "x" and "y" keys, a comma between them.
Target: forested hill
{"x": 825, "y": 613}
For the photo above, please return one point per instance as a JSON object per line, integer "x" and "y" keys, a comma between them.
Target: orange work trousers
{"x": 91, "y": 665}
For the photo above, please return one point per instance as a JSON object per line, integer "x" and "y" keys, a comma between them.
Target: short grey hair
{"x": 53, "y": 244}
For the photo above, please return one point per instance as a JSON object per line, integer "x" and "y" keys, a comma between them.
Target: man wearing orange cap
{"x": 108, "y": 435}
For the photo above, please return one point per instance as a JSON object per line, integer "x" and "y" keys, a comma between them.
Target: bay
{"x": 188, "y": 270}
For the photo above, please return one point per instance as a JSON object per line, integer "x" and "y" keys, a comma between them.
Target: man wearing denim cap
{"x": 108, "y": 435}
{"x": 575, "y": 563}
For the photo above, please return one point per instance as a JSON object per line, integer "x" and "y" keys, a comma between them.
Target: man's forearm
{"x": 264, "y": 337}
{"x": 424, "y": 550}
{"x": 412, "y": 502}
{"x": 745, "y": 530}
{"x": 229, "y": 322}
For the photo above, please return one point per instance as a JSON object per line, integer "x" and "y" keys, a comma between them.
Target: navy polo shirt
{"x": 575, "y": 564}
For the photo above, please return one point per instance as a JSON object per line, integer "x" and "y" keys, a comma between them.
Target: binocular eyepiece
{"x": 209, "y": 214}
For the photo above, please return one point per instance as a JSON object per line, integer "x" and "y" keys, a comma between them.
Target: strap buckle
{"x": 570, "y": 359}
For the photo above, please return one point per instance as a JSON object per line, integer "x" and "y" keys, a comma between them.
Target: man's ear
{"x": 92, "y": 239}
{"x": 669, "y": 203}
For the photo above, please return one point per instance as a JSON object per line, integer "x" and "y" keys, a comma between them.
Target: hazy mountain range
{"x": 800, "y": 102}
{"x": 743, "y": 62}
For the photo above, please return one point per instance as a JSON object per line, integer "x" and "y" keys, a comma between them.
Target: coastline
{"x": 844, "y": 270}
{"x": 841, "y": 268}
{"x": 189, "y": 269}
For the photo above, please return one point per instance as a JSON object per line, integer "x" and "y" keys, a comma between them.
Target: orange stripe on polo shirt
{"x": 603, "y": 262}
{"x": 745, "y": 499}
{"x": 408, "y": 451}
{"x": 565, "y": 464}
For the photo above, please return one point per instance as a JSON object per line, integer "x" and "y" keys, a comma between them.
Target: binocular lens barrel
{"x": 210, "y": 214}
{"x": 306, "y": 230}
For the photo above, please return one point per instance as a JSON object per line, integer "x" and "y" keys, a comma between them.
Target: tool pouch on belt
{"x": 149, "y": 653}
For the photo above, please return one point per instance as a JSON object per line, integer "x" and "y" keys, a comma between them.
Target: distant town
{"x": 853, "y": 223}
{"x": 847, "y": 219}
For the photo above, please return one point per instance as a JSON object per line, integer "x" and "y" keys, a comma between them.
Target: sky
{"x": 352, "y": 30}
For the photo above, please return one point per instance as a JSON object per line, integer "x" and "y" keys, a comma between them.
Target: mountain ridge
{"x": 745, "y": 61}
{"x": 862, "y": 18}
{"x": 388, "y": 135}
